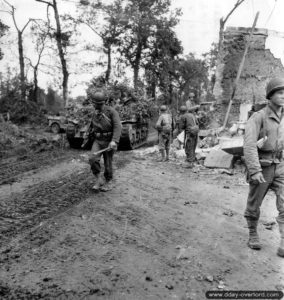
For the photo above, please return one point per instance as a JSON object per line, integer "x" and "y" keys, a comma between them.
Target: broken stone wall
{"x": 260, "y": 66}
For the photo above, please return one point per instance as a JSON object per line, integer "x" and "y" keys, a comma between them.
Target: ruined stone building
{"x": 263, "y": 61}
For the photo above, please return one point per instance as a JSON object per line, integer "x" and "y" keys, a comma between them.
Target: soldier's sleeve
{"x": 116, "y": 126}
{"x": 251, "y": 135}
{"x": 159, "y": 122}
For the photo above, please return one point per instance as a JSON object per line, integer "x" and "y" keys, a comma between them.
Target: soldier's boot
{"x": 280, "y": 250}
{"x": 98, "y": 184}
{"x": 253, "y": 241}
{"x": 108, "y": 186}
{"x": 162, "y": 158}
{"x": 167, "y": 155}
{"x": 188, "y": 164}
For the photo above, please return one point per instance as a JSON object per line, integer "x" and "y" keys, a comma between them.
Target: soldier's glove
{"x": 113, "y": 145}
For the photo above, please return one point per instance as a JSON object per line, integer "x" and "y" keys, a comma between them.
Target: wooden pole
{"x": 239, "y": 72}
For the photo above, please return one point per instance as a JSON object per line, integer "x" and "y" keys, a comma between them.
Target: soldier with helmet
{"x": 265, "y": 161}
{"x": 189, "y": 123}
{"x": 164, "y": 126}
{"x": 105, "y": 131}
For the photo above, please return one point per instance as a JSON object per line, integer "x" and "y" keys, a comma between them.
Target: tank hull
{"x": 133, "y": 135}
{"x": 75, "y": 137}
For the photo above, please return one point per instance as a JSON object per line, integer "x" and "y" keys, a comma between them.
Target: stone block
{"x": 217, "y": 158}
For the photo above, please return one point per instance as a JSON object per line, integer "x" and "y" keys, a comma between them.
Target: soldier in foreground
{"x": 105, "y": 130}
{"x": 164, "y": 127}
{"x": 265, "y": 162}
{"x": 188, "y": 123}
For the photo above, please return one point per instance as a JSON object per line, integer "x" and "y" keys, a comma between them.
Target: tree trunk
{"x": 61, "y": 55}
{"x": 108, "y": 71}
{"x": 22, "y": 66}
{"x": 221, "y": 33}
{"x": 186, "y": 91}
{"x": 136, "y": 65}
{"x": 35, "y": 86}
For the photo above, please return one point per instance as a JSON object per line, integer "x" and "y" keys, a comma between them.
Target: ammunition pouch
{"x": 267, "y": 158}
{"x": 102, "y": 135}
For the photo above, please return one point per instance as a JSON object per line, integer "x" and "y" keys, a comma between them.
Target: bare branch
{"x": 8, "y": 3}
{"x": 46, "y": 2}
{"x": 26, "y": 25}
{"x": 29, "y": 60}
{"x": 93, "y": 29}
{"x": 6, "y": 11}
{"x": 237, "y": 4}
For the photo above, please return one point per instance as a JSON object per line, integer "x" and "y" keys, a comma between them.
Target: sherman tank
{"x": 134, "y": 117}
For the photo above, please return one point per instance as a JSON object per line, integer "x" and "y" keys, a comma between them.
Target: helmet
{"x": 274, "y": 85}
{"x": 96, "y": 96}
{"x": 183, "y": 108}
{"x": 191, "y": 94}
{"x": 163, "y": 108}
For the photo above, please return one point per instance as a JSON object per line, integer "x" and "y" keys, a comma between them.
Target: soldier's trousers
{"x": 94, "y": 160}
{"x": 190, "y": 146}
{"x": 164, "y": 140}
{"x": 274, "y": 177}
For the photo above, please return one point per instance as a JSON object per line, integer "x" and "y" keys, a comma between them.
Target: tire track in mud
{"x": 45, "y": 199}
{"x": 10, "y": 170}
{"x": 24, "y": 210}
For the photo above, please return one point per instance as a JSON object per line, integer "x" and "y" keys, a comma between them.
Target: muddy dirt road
{"x": 164, "y": 232}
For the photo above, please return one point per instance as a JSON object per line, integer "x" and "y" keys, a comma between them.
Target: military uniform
{"x": 105, "y": 127}
{"x": 188, "y": 123}
{"x": 268, "y": 160}
{"x": 265, "y": 164}
{"x": 164, "y": 127}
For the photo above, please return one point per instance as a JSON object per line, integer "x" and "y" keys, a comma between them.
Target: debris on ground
{"x": 209, "y": 278}
{"x": 228, "y": 172}
{"x": 183, "y": 253}
{"x": 228, "y": 213}
{"x": 269, "y": 225}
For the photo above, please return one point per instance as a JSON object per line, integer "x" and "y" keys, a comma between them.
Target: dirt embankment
{"x": 164, "y": 232}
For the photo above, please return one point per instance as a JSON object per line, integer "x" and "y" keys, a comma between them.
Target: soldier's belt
{"x": 271, "y": 155}
{"x": 102, "y": 134}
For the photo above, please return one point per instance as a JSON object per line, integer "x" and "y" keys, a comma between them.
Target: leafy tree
{"x": 109, "y": 30}
{"x": 165, "y": 49}
{"x": 3, "y": 29}
{"x": 144, "y": 18}
{"x": 191, "y": 74}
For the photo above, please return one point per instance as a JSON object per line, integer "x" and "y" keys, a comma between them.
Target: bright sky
{"x": 199, "y": 23}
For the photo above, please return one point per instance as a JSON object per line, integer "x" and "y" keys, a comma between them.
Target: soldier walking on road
{"x": 164, "y": 126}
{"x": 105, "y": 130}
{"x": 265, "y": 162}
{"x": 188, "y": 123}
